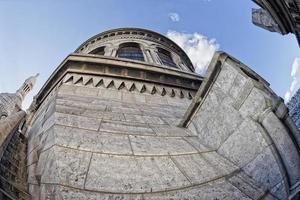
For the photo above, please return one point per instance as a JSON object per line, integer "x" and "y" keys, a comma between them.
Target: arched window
{"x": 98, "y": 51}
{"x": 166, "y": 57}
{"x": 130, "y": 51}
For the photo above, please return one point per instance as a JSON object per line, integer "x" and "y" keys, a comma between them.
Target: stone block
{"x": 196, "y": 143}
{"x": 80, "y": 105}
{"x": 244, "y": 144}
{"x": 264, "y": 170}
{"x": 126, "y": 128}
{"x": 86, "y": 91}
{"x": 237, "y": 85}
{"x": 92, "y": 140}
{"x": 197, "y": 168}
{"x": 226, "y": 77}
{"x": 143, "y": 119}
{"x": 127, "y": 174}
{"x": 110, "y": 94}
{"x": 148, "y": 145}
{"x": 66, "y": 193}
{"x": 219, "y": 128}
{"x": 66, "y": 166}
{"x": 219, "y": 189}
{"x": 77, "y": 121}
{"x": 254, "y": 104}
{"x": 248, "y": 186}
{"x": 171, "y": 131}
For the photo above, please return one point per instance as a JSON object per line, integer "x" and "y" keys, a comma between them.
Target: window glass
{"x": 166, "y": 58}
{"x": 130, "y": 51}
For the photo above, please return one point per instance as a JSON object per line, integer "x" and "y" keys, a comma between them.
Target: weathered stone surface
{"x": 255, "y": 103}
{"x": 59, "y": 192}
{"x": 285, "y": 146}
{"x": 172, "y": 131}
{"x": 219, "y": 189}
{"x": 148, "y": 145}
{"x": 65, "y": 166}
{"x": 244, "y": 144}
{"x": 126, "y": 128}
{"x": 226, "y": 77}
{"x": 195, "y": 142}
{"x": 133, "y": 174}
{"x": 248, "y": 186}
{"x": 92, "y": 141}
{"x": 197, "y": 168}
{"x": 217, "y": 129}
{"x": 279, "y": 191}
{"x": 77, "y": 121}
{"x": 143, "y": 119}
{"x": 264, "y": 169}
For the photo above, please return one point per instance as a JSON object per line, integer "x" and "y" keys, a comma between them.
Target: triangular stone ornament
{"x": 86, "y": 80}
{"x": 181, "y": 94}
{"x": 67, "y": 78}
{"x": 122, "y": 85}
{"x": 70, "y": 80}
{"x": 79, "y": 81}
{"x": 173, "y": 94}
{"x": 132, "y": 88}
{"x": 111, "y": 84}
{"x": 106, "y": 82}
{"x": 117, "y": 83}
{"x": 76, "y": 78}
{"x": 139, "y": 86}
{"x": 163, "y": 92}
{"x": 154, "y": 90}
{"x": 143, "y": 89}
{"x": 128, "y": 84}
{"x": 96, "y": 80}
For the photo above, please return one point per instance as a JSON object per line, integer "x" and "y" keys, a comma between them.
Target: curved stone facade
{"x": 149, "y": 42}
{"x": 112, "y": 128}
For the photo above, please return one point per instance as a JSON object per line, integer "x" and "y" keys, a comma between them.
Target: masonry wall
{"x": 106, "y": 138}
{"x": 237, "y": 114}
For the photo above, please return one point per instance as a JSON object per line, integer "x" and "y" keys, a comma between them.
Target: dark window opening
{"x": 166, "y": 58}
{"x": 130, "y": 51}
{"x": 98, "y": 51}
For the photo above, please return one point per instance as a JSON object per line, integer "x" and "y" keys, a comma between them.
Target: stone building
{"x": 281, "y": 16}
{"x": 126, "y": 117}
{"x": 294, "y": 108}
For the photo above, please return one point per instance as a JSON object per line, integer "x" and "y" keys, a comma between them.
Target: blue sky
{"x": 35, "y": 36}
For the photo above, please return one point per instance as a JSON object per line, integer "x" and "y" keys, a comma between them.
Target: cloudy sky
{"x": 35, "y": 36}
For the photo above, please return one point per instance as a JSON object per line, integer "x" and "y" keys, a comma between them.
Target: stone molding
{"x": 131, "y": 86}
{"x": 123, "y": 68}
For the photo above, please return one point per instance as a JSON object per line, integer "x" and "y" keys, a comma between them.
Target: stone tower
{"x": 12, "y": 102}
{"x": 126, "y": 117}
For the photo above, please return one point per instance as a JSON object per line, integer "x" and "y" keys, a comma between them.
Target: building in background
{"x": 126, "y": 117}
{"x": 13, "y": 143}
{"x": 282, "y": 16}
{"x": 294, "y": 108}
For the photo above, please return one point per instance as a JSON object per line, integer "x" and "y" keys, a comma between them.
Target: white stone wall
{"x": 235, "y": 116}
{"x": 96, "y": 138}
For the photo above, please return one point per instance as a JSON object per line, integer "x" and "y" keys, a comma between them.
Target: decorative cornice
{"x": 124, "y": 84}
{"x": 115, "y": 67}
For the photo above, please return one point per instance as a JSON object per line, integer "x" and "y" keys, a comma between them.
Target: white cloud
{"x": 199, "y": 48}
{"x": 295, "y": 85}
{"x": 174, "y": 17}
